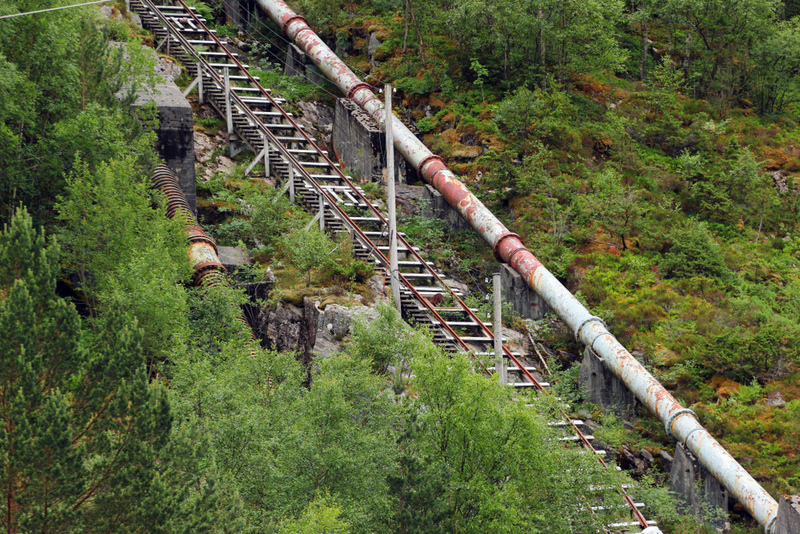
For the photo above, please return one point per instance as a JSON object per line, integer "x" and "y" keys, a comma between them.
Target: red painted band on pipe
{"x": 513, "y": 252}
{"x": 428, "y": 159}
{"x": 499, "y": 243}
{"x": 356, "y": 87}
{"x": 291, "y": 19}
{"x": 208, "y": 265}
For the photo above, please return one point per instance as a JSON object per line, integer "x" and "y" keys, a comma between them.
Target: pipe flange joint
{"x": 290, "y": 20}
{"x": 425, "y": 160}
{"x": 671, "y": 418}
{"x": 514, "y": 253}
{"x": 686, "y": 441}
{"x": 769, "y": 527}
{"x": 496, "y": 247}
{"x": 357, "y": 87}
{"x": 592, "y": 319}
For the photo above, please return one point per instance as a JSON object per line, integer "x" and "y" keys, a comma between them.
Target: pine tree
{"x": 80, "y": 427}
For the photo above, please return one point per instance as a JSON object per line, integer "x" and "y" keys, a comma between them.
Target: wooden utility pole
{"x": 390, "y": 194}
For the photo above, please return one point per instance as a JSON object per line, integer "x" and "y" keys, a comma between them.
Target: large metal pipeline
{"x": 681, "y": 423}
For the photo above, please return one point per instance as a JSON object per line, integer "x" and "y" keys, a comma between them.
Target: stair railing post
{"x": 266, "y": 155}
{"x": 199, "y": 83}
{"x": 321, "y": 211}
{"x": 291, "y": 182}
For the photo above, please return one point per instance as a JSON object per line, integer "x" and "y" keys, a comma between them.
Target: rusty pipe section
{"x": 680, "y": 423}
{"x": 208, "y": 270}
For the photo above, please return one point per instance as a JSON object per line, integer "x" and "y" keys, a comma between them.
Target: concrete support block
{"x": 360, "y": 145}
{"x": 788, "y": 515}
{"x": 240, "y": 12}
{"x": 437, "y": 208}
{"x": 702, "y": 494}
{"x": 233, "y": 257}
{"x": 602, "y": 387}
{"x": 175, "y": 134}
{"x": 298, "y": 64}
{"x": 524, "y": 300}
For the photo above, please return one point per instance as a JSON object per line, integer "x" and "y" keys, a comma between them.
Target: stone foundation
{"x": 360, "y": 145}
{"x": 702, "y": 494}
{"x": 602, "y": 387}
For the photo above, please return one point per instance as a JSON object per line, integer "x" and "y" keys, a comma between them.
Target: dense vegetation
{"x": 646, "y": 151}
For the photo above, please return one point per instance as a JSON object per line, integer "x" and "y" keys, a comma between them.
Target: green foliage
{"x": 61, "y": 74}
{"x": 387, "y": 341}
{"x": 293, "y": 88}
{"x": 528, "y": 115}
{"x": 307, "y": 250}
{"x": 342, "y": 265}
{"x": 776, "y": 71}
{"x": 614, "y": 206}
{"x": 495, "y": 459}
{"x": 321, "y": 516}
{"x": 106, "y": 211}
{"x": 693, "y": 253}
{"x": 416, "y": 86}
{"x": 82, "y": 429}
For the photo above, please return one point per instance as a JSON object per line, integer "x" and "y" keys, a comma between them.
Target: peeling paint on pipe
{"x": 681, "y": 424}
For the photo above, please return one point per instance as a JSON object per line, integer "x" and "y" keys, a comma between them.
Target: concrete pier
{"x": 602, "y": 387}
{"x": 702, "y": 494}
{"x": 359, "y": 145}
{"x": 175, "y": 133}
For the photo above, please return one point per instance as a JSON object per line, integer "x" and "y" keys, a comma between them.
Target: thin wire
{"x": 302, "y": 75}
{"x": 255, "y": 14}
{"x": 54, "y": 9}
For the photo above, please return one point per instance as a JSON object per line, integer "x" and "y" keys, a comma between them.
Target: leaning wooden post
{"x": 500, "y": 365}
{"x": 394, "y": 275}
{"x": 228, "y": 112}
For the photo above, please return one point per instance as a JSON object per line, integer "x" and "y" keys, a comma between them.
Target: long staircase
{"x": 257, "y": 121}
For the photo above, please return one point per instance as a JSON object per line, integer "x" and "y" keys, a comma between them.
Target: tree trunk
{"x": 405, "y": 36}
{"x": 416, "y": 29}
{"x": 644, "y": 51}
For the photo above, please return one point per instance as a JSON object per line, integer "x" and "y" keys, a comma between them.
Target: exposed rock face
{"x": 373, "y": 45}
{"x": 307, "y": 330}
{"x": 334, "y": 325}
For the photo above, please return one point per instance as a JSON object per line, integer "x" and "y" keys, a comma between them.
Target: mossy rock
{"x": 336, "y": 299}
{"x": 296, "y": 296}
{"x": 466, "y": 152}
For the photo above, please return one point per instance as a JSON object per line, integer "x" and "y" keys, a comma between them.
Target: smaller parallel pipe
{"x": 203, "y": 253}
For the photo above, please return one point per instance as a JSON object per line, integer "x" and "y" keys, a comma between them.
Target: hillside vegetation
{"x": 645, "y": 152}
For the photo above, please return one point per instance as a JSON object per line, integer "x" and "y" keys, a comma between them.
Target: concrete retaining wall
{"x": 175, "y": 133}
{"x": 360, "y": 145}
{"x": 522, "y": 298}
